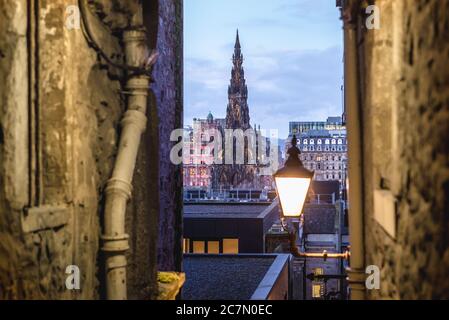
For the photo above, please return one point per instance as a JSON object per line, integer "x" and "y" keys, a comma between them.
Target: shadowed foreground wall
{"x": 404, "y": 83}
{"x": 60, "y": 108}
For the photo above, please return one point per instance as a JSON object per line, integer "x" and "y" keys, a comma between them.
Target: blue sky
{"x": 293, "y": 59}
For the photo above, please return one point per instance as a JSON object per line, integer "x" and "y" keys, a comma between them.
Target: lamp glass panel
{"x": 292, "y": 194}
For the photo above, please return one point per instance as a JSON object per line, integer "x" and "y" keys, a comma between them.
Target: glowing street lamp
{"x": 292, "y": 183}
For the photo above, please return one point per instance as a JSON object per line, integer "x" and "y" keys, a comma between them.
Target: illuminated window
{"x": 305, "y": 141}
{"x": 192, "y": 172}
{"x": 230, "y": 246}
{"x": 199, "y": 247}
{"x": 318, "y": 286}
{"x": 213, "y": 247}
{"x": 316, "y": 291}
{"x": 186, "y": 245}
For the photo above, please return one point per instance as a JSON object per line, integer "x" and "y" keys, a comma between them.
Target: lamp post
{"x": 292, "y": 186}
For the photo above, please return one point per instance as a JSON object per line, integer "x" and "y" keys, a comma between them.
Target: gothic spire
{"x": 237, "y": 41}
{"x": 237, "y": 113}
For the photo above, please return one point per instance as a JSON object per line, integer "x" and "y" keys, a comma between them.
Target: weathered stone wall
{"x": 405, "y": 110}
{"x": 70, "y": 136}
{"x": 169, "y": 95}
{"x": 60, "y": 108}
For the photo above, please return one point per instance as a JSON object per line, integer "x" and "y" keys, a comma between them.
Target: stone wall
{"x": 60, "y": 108}
{"x": 404, "y": 85}
{"x": 168, "y": 90}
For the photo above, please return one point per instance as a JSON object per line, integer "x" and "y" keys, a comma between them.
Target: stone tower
{"x": 237, "y": 114}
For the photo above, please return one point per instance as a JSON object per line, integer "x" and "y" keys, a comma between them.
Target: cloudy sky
{"x": 293, "y": 59}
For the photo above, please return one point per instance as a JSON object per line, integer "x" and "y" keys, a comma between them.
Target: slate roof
{"x": 223, "y": 277}
{"x": 224, "y": 210}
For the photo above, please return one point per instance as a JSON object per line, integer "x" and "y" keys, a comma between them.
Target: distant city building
{"x": 197, "y": 168}
{"x": 229, "y": 228}
{"x": 323, "y": 147}
{"x": 332, "y": 123}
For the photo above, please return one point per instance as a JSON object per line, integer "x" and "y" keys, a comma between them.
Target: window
{"x": 230, "y": 246}
{"x": 318, "y": 286}
{"x": 327, "y": 141}
{"x": 186, "y": 245}
{"x": 199, "y": 247}
{"x": 339, "y": 141}
{"x": 312, "y": 141}
{"x": 213, "y": 247}
{"x": 333, "y": 141}
{"x": 319, "y": 141}
{"x": 304, "y": 141}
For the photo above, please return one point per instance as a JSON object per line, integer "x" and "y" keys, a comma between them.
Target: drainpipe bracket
{"x": 356, "y": 278}
{"x": 119, "y": 186}
{"x": 115, "y": 243}
{"x": 136, "y": 34}
{"x": 141, "y": 83}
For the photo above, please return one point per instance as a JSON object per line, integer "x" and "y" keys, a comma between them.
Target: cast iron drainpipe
{"x": 118, "y": 189}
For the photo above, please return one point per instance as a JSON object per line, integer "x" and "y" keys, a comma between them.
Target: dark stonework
{"x": 169, "y": 97}
{"x": 237, "y": 113}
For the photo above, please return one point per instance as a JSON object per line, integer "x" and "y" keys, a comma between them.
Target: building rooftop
{"x": 230, "y": 277}
{"x": 326, "y": 188}
{"x": 226, "y": 210}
